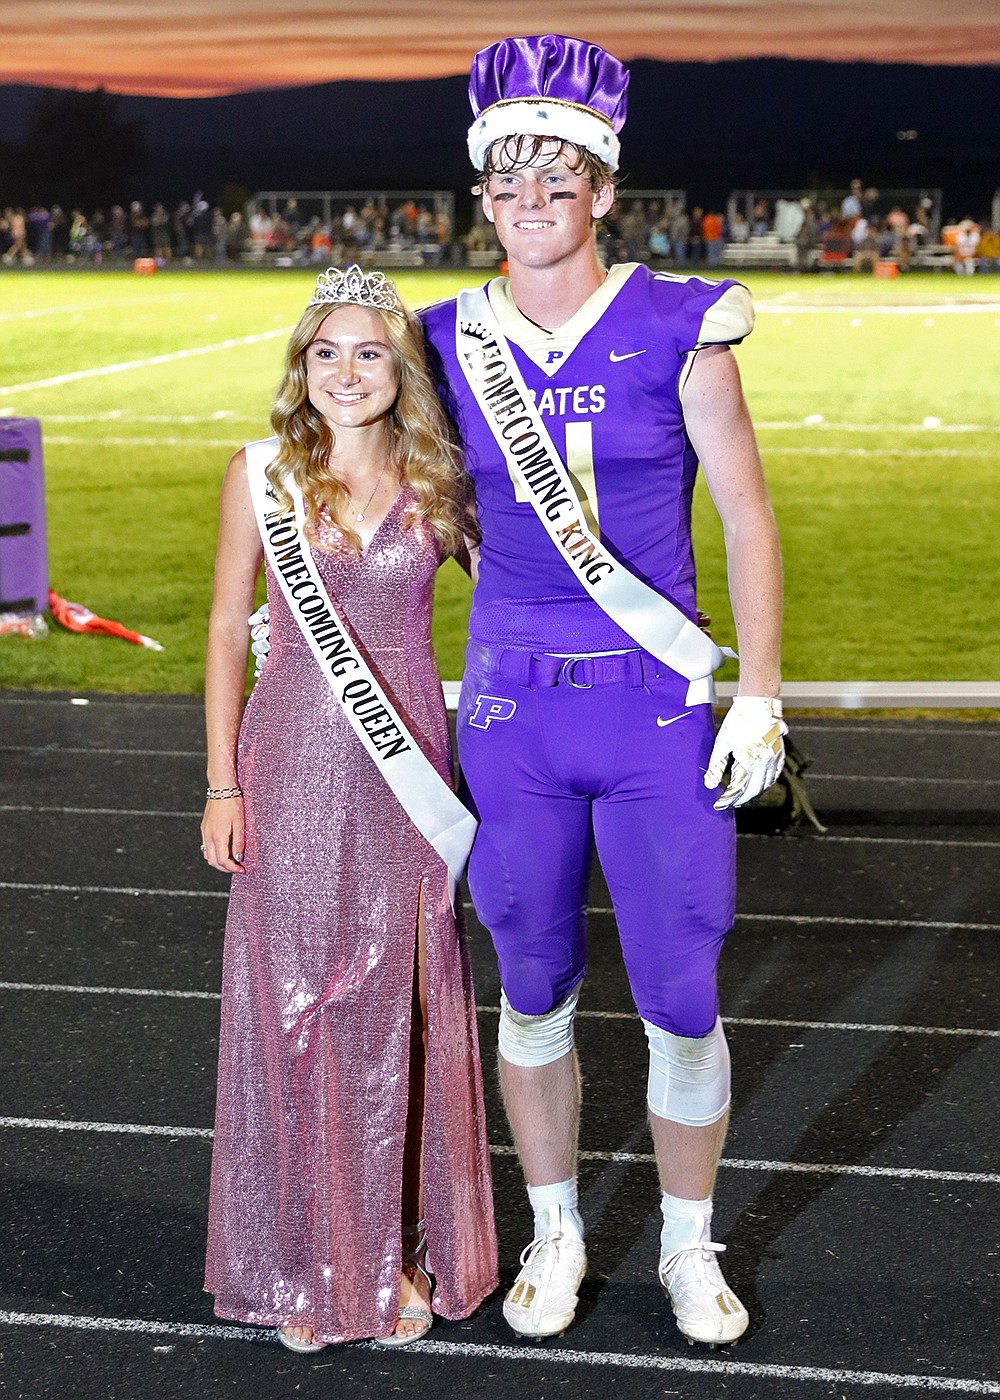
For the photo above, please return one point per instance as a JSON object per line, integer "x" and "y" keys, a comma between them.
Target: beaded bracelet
{"x": 220, "y": 794}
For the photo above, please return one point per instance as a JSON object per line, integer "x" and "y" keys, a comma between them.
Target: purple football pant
{"x": 556, "y": 754}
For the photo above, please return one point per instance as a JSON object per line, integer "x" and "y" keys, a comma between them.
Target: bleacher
{"x": 936, "y": 256}
{"x": 761, "y": 250}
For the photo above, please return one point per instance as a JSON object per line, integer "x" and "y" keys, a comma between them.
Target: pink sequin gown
{"x": 304, "y": 1212}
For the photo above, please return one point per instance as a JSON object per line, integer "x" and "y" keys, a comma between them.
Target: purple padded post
{"x": 24, "y": 560}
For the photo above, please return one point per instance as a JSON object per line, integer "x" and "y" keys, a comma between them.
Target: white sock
{"x": 684, "y": 1222}
{"x": 559, "y": 1193}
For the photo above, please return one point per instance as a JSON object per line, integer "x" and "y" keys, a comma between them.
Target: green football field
{"x": 877, "y": 406}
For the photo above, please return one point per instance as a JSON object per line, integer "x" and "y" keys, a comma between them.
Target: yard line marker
{"x": 492, "y": 1010}
{"x": 100, "y": 371}
{"x": 63, "y": 1125}
{"x": 538, "y": 1356}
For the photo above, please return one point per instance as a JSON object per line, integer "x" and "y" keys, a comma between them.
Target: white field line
{"x": 536, "y": 1356}
{"x": 38, "y": 887}
{"x": 947, "y": 308}
{"x": 66, "y": 440}
{"x": 62, "y": 440}
{"x": 99, "y": 371}
{"x": 122, "y": 417}
{"x": 819, "y": 451}
{"x": 798, "y": 425}
{"x": 66, "y": 1125}
{"x": 119, "y": 416}
{"x": 68, "y": 310}
{"x": 781, "y": 1023}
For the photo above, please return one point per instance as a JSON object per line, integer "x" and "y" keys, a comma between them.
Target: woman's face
{"x": 351, "y": 370}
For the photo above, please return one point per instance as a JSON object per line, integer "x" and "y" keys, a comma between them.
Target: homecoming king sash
{"x": 653, "y": 621}
{"x": 423, "y": 794}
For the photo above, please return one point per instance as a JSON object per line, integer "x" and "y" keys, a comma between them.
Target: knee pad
{"x": 537, "y": 1040}
{"x": 689, "y": 1079}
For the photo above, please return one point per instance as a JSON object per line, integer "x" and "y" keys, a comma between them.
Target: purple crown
{"x": 548, "y": 85}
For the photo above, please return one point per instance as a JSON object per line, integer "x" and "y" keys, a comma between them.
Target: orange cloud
{"x": 207, "y": 47}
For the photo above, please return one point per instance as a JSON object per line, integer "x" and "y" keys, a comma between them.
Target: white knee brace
{"x": 689, "y": 1079}
{"x": 537, "y": 1040}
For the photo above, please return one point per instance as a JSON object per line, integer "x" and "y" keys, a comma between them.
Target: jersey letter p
{"x": 489, "y": 708}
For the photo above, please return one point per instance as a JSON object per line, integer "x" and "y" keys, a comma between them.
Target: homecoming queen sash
{"x": 653, "y": 621}
{"x": 420, "y": 790}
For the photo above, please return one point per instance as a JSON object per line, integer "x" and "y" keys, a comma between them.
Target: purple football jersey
{"x": 606, "y": 385}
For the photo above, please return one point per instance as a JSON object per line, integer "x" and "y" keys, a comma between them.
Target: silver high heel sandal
{"x": 293, "y": 1343}
{"x": 416, "y": 1259}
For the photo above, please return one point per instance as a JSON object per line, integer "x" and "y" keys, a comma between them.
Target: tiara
{"x": 356, "y": 288}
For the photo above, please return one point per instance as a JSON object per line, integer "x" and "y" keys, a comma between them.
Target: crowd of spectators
{"x": 197, "y": 232}
{"x": 857, "y": 231}
{"x": 860, "y": 230}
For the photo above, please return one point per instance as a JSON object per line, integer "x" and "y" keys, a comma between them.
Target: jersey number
{"x": 580, "y": 465}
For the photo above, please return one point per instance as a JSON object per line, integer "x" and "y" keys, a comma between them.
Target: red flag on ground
{"x": 76, "y": 618}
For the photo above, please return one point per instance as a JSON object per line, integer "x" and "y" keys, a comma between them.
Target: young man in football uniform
{"x": 585, "y": 400}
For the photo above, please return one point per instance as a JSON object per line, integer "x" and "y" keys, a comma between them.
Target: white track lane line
{"x": 781, "y": 1022}
{"x": 46, "y": 749}
{"x": 28, "y": 807}
{"x": 751, "y": 1164}
{"x": 113, "y": 889}
{"x": 99, "y": 371}
{"x": 977, "y": 782}
{"x": 31, "y": 886}
{"x": 537, "y": 1356}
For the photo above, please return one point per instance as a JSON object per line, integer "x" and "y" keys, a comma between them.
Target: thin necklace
{"x": 361, "y": 513}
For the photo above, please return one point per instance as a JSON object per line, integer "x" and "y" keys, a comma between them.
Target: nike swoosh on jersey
{"x": 662, "y": 723}
{"x": 629, "y": 355}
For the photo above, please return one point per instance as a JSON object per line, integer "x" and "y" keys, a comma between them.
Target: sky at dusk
{"x": 206, "y": 47}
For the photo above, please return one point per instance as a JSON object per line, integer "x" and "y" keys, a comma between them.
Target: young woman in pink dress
{"x": 351, "y": 1191}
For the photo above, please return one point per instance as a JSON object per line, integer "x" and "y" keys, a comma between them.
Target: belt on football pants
{"x": 541, "y": 670}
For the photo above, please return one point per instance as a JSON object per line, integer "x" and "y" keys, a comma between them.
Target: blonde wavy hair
{"x": 418, "y": 438}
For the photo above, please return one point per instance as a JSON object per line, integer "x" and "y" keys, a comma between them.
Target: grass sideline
{"x": 874, "y": 401}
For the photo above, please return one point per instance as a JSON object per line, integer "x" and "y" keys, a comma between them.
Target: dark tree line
{"x": 78, "y": 152}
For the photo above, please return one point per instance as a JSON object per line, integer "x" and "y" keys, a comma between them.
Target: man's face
{"x": 544, "y": 212}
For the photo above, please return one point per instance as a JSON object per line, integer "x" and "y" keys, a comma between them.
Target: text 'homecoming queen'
{"x": 359, "y": 693}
